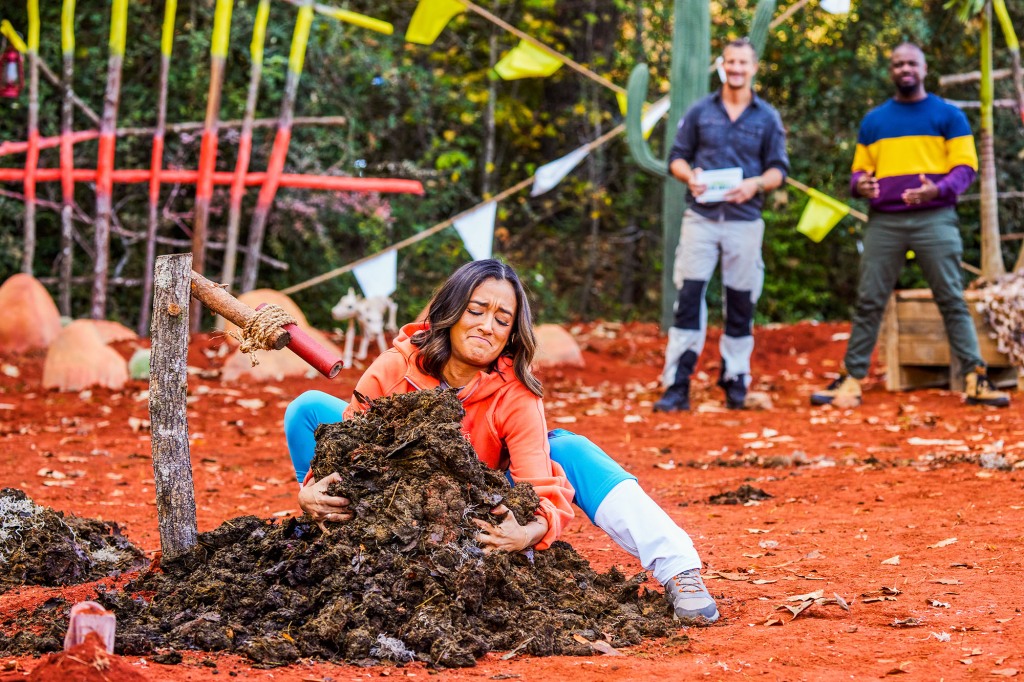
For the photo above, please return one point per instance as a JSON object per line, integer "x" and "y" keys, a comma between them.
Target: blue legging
{"x": 590, "y": 471}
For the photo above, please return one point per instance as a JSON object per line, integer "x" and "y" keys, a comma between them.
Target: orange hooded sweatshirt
{"x": 502, "y": 418}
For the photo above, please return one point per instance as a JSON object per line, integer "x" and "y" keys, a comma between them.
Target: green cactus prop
{"x": 688, "y": 76}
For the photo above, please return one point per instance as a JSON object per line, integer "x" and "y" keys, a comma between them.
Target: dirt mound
{"x": 742, "y": 495}
{"x": 79, "y": 358}
{"x": 85, "y": 662}
{"x": 404, "y": 581}
{"x": 30, "y": 320}
{"x": 40, "y": 546}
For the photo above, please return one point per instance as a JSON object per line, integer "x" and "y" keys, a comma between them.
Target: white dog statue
{"x": 376, "y": 315}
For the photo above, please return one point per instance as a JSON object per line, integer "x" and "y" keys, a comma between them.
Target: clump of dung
{"x": 40, "y": 546}
{"x": 405, "y": 580}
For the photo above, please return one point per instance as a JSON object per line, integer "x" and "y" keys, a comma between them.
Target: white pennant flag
{"x": 477, "y": 230}
{"x": 654, "y": 114}
{"x": 836, "y": 6}
{"x": 550, "y": 174}
{"x": 378, "y": 277}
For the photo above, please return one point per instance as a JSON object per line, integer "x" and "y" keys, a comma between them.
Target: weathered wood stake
{"x": 168, "y": 385}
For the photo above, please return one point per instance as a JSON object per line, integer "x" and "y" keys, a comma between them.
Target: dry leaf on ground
{"x": 942, "y": 543}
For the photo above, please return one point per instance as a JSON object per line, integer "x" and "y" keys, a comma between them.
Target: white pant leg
{"x": 742, "y": 270}
{"x": 638, "y": 525}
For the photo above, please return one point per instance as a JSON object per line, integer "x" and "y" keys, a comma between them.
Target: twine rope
{"x": 259, "y": 331}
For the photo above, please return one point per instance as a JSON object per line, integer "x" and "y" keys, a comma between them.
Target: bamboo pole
{"x": 278, "y": 153}
{"x": 168, "y": 389}
{"x": 1013, "y": 45}
{"x": 32, "y": 157}
{"x": 992, "y": 264}
{"x": 67, "y": 159}
{"x": 971, "y": 76}
{"x": 349, "y": 17}
{"x": 8, "y": 32}
{"x": 105, "y": 156}
{"x": 208, "y": 148}
{"x": 156, "y": 161}
{"x": 259, "y": 34}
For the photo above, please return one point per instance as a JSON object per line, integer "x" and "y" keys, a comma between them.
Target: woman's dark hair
{"x": 450, "y": 302}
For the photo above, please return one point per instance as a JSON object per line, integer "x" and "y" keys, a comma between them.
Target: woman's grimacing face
{"x": 480, "y": 335}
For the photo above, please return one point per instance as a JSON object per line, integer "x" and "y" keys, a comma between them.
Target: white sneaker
{"x": 691, "y": 602}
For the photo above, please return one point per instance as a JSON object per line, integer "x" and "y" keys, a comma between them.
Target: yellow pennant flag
{"x": 820, "y": 215}
{"x": 527, "y": 61}
{"x": 651, "y": 113}
{"x": 430, "y": 18}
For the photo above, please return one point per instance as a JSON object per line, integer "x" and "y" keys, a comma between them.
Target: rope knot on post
{"x": 259, "y": 331}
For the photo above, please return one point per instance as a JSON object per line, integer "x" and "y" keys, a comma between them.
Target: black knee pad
{"x": 684, "y": 370}
{"x": 688, "y": 304}
{"x": 739, "y": 313}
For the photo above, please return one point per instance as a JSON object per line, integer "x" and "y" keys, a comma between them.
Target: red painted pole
{"x": 334, "y": 183}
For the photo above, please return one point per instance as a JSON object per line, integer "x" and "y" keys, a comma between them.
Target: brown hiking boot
{"x": 980, "y": 391}
{"x": 843, "y": 392}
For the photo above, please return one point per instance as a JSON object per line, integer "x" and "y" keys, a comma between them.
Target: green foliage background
{"x": 589, "y": 248}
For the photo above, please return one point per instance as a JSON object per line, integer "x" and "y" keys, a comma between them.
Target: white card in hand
{"x": 718, "y": 183}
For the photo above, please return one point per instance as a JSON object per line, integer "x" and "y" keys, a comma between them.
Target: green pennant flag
{"x": 820, "y": 215}
{"x": 430, "y": 18}
{"x": 527, "y": 61}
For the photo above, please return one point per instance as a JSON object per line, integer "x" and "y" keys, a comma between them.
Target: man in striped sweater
{"x": 915, "y": 155}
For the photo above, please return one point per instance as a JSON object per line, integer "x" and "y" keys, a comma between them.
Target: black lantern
{"x": 12, "y": 76}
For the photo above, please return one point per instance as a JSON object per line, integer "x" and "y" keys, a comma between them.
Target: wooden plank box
{"x": 915, "y": 351}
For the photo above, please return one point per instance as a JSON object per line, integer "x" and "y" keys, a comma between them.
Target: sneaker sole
{"x": 698, "y": 621}
{"x": 1001, "y": 402}
{"x": 827, "y": 400}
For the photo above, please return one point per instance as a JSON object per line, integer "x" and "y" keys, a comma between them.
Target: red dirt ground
{"x": 899, "y": 477}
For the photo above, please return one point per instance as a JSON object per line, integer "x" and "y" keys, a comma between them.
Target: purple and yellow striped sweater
{"x": 899, "y": 141}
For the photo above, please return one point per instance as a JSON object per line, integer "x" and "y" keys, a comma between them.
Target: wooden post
{"x": 168, "y": 385}
{"x": 891, "y": 347}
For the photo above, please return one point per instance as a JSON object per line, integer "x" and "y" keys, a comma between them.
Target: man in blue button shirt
{"x": 739, "y": 136}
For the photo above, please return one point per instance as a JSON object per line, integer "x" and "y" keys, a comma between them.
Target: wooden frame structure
{"x": 914, "y": 348}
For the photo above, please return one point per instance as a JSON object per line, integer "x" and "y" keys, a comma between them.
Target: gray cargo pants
{"x": 934, "y": 236}
{"x": 702, "y": 242}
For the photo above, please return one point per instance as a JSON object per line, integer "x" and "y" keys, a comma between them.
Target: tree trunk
{"x": 168, "y": 386}
{"x": 992, "y": 264}
{"x": 105, "y": 157}
{"x": 156, "y": 162}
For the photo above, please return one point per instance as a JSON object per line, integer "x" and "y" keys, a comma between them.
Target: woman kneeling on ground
{"x": 479, "y": 338}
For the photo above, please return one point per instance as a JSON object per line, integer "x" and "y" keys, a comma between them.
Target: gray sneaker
{"x": 691, "y": 602}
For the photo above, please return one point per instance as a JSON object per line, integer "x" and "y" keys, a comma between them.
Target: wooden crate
{"x": 915, "y": 351}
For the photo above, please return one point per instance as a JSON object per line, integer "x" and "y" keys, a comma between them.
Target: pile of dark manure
{"x": 41, "y": 546}
{"x": 404, "y": 581}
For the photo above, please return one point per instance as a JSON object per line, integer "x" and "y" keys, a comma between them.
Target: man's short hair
{"x": 741, "y": 42}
